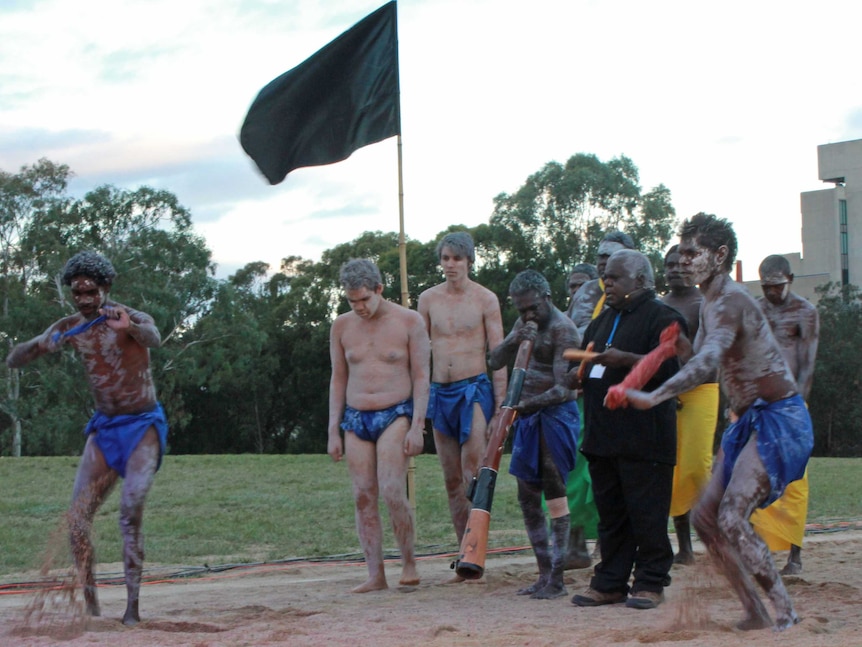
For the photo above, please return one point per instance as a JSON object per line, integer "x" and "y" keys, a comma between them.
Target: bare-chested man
{"x": 378, "y": 395}
{"x": 769, "y": 444}
{"x": 126, "y": 436}
{"x": 796, "y": 326}
{"x": 463, "y": 320}
{"x": 544, "y": 446}
{"x": 696, "y": 417}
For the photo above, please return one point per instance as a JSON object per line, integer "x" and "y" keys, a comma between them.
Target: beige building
{"x": 831, "y": 224}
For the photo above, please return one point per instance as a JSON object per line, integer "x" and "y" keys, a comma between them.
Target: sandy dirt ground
{"x": 310, "y": 604}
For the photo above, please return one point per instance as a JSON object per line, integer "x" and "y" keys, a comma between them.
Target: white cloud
{"x": 724, "y": 104}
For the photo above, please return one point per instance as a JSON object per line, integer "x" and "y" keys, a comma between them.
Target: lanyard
{"x": 613, "y": 330}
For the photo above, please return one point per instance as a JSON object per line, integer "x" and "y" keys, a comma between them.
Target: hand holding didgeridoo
{"x": 471, "y": 561}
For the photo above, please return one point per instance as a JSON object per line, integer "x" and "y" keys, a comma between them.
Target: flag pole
{"x": 405, "y": 301}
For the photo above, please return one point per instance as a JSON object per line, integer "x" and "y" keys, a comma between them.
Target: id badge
{"x": 597, "y": 371}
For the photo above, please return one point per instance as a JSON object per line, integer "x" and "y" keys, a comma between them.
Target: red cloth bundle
{"x": 645, "y": 368}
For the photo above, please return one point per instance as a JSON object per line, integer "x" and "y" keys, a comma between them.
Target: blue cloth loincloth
{"x": 118, "y": 436}
{"x": 450, "y": 406}
{"x": 785, "y": 439}
{"x": 560, "y": 425}
{"x": 370, "y": 425}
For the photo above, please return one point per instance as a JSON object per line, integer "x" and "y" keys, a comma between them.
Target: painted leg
{"x": 748, "y": 487}
{"x": 140, "y": 472}
{"x": 685, "y": 554}
{"x": 794, "y": 561}
{"x": 93, "y": 483}
{"x": 530, "y": 499}
{"x": 556, "y": 587}
{"x": 704, "y": 518}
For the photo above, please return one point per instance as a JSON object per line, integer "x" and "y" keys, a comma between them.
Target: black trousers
{"x": 633, "y": 501}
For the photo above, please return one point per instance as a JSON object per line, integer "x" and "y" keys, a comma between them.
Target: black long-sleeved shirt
{"x": 627, "y": 432}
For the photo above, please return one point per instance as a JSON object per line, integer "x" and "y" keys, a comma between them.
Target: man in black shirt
{"x": 631, "y": 455}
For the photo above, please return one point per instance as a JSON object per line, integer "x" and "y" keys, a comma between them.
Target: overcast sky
{"x": 724, "y": 103}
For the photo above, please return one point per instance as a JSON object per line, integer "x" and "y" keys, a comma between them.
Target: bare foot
{"x": 538, "y": 585}
{"x": 409, "y": 575}
{"x": 371, "y": 584}
{"x": 783, "y": 623}
{"x": 550, "y": 592}
{"x": 791, "y": 568}
{"x": 683, "y": 558}
{"x": 754, "y": 622}
{"x": 131, "y": 617}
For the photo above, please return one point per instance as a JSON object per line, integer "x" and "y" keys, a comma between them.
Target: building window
{"x": 845, "y": 245}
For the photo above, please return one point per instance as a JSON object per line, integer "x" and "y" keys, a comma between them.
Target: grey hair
{"x": 530, "y": 281}
{"x": 91, "y": 265}
{"x": 636, "y": 264}
{"x": 619, "y": 237}
{"x": 459, "y": 242}
{"x": 360, "y": 273}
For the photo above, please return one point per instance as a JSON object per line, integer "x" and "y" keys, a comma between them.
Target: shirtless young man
{"x": 463, "y": 320}
{"x": 544, "y": 447}
{"x": 696, "y": 417}
{"x": 796, "y": 326}
{"x": 750, "y": 470}
{"x": 127, "y": 435}
{"x": 378, "y": 394}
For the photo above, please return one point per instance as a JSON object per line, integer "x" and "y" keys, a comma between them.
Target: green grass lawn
{"x": 218, "y": 510}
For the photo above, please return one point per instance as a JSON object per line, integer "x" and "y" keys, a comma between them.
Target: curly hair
{"x": 530, "y": 281}
{"x": 89, "y": 264}
{"x": 712, "y": 232}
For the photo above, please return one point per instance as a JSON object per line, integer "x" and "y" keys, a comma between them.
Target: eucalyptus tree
{"x": 558, "y": 216}
{"x": 163, "y": 268}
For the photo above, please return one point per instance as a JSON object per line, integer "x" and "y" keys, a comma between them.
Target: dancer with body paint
{"x": 768, "y": 445}
{"x": 126, "y": 437}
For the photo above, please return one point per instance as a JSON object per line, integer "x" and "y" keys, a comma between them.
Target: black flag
{"x": 342, "y": 98}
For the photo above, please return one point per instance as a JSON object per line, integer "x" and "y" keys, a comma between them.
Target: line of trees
{"x": 244, "y": 364}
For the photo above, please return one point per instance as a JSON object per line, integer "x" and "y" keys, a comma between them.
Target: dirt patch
{"x": 310, "y": 604}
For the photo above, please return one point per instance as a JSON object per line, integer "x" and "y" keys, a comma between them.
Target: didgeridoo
{"x": 471, "y": 562}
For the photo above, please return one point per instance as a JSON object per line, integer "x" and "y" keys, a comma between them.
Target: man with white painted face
{"x": 769, "y": 443}
{"x": 544, "y": 445}
{"x": 378, "y": 394}
{"x": 126, "y": 437}
{"x": 631, "y": 453}
{"x": 796, "y": 326}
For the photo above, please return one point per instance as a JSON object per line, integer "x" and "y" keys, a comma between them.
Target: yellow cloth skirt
{"x": 695, "y": 436}
{"x": 783, "y": 523}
